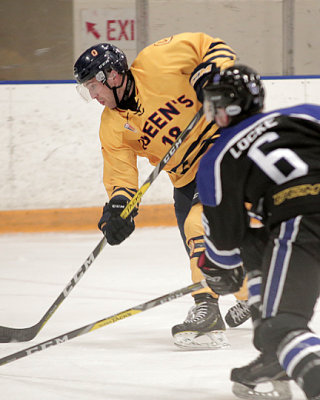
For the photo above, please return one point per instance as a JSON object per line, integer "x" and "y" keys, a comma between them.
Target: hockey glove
{"x": 221, "y": 281}
{"x": 200, "y": 76}
{"x": 115, "y": 228}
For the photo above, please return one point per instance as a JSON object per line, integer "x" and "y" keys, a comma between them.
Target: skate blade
{"x": 279, "y": 390}
{"x": 190, "y": 340}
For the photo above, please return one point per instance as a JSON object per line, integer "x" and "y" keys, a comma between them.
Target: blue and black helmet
{"x": 97, "y": 61}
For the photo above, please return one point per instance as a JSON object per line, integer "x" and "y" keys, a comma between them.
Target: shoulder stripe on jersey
{"x": 219, "y": 49}
{"x": 213, "y": 44}
{"x": 220, "y": 56}
{"x": 305, "y": 116}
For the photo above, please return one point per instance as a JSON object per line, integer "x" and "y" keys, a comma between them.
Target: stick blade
{"x": 13, "y": 335}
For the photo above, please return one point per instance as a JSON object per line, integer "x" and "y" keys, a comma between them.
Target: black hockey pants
{"x": 285, "y": 291}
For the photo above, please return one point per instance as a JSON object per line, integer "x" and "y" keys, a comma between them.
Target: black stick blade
{"x": 13, "y": 335}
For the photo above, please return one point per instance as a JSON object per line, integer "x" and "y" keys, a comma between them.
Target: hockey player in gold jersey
{"x": 146, "y": 107}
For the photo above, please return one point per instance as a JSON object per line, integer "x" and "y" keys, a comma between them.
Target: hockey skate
{"x": 264, "y": 370}
{"x": 238, "y": 314}
{"x": 204, "y": 328}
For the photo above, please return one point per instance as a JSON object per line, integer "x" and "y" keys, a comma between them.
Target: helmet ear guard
{"x": 101, "y": 76}
{"x": 238, "y": 90}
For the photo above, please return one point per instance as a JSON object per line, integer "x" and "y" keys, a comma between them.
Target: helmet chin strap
{"x": 126, "y": 92}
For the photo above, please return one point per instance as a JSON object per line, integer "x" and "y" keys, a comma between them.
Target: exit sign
{"x": 115, "y": 26}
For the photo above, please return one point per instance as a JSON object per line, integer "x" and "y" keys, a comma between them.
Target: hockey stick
{"x": 103, "y": 322}
{"x": 137, "y": 197}
{"x": 8, "y": 335}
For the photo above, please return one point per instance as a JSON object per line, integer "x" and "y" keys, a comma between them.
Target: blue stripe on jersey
{"x": 214, "y": 44}
{"x": 220, "y": 49}
{"x": 254, "y": 289}
{"x": 254, "y": 286}
{"x": 209, "y": 178}
{"x": 228, "y": 259}
{"x": 297, "y": 350}
{"x": 231, "y": 57}
{"x": 278, "y": 266}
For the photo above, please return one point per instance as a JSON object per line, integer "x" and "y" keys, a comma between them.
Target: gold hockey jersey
{"x": 166, "y": 74}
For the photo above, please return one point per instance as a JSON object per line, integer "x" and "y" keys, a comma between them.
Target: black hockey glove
{"x": 115, "y": 228}
{"x": 221, "y": 281}
{"x": 200, "y": 76}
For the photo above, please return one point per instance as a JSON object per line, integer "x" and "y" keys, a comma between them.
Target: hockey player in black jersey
{"x": 270, "y": 161}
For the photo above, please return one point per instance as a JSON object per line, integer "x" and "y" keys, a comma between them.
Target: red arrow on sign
{"x": 91, "y": 29}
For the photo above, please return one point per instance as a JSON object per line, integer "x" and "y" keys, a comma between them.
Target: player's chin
{"x": 109, "y": 104}
{"x": 223, "y": 122}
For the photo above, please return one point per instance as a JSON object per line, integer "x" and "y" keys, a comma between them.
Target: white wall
{"x": 273, "y": 36}
{"x": 50, "y": 151}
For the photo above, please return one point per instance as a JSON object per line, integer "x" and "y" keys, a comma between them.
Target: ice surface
{"x": 132, "y": 359}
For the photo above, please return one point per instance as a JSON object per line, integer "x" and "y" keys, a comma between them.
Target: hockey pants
{"x": 188, "y": 212}
{"x": 283, "y": 292}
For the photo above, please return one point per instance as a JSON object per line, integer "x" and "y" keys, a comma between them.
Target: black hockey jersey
{"x": 270, "y": 160}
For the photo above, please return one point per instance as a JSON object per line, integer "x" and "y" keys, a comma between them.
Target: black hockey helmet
{"x": 238, "y": 90}
{"x": 97, "y": 61}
